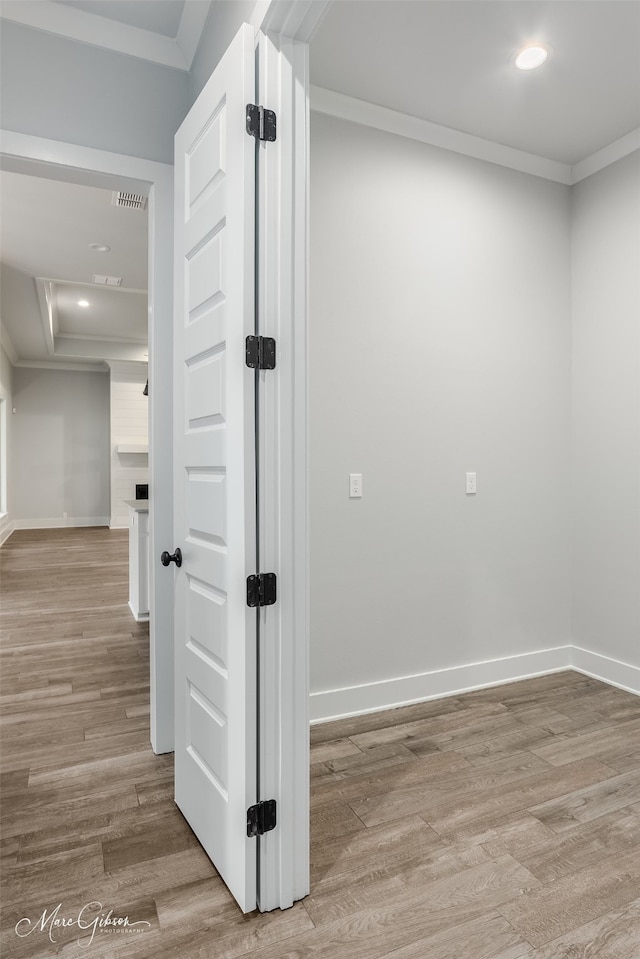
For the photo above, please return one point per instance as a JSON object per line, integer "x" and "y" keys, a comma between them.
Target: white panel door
{"x": 214, "y": 473}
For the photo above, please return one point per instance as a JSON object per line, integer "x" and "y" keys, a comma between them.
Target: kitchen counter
{"x": 138, "y": 505}
{"x": 139, "y": 558}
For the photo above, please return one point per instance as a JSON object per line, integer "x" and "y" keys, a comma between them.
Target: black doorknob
{"x": 167, "y": 558}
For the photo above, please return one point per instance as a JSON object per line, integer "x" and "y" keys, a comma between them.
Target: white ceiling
{"x": 45, "y": 231}
{"x": 450, "y": 62}
{"x": 111, "y": 314}
{"x": 47, "y": 226}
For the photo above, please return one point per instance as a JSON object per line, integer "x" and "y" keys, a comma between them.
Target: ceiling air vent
{"x": 130, "y": 201}
{"x": 106, "y": 280}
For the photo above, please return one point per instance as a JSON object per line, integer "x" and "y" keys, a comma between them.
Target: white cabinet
{"x": 139, "y": 558}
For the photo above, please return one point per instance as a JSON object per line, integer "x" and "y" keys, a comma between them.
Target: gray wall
{"x": 63, "y": 90}
{"x": 60, "y": 445}
{"x": 606, "y": 411}
{"x": 223, "y": 22}
{"x": 440, "y": 344}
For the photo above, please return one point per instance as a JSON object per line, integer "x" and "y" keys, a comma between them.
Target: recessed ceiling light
{"x": 99, "y": 247}
{"x": 531, "y": 56}
{"x": 83, "y": 302}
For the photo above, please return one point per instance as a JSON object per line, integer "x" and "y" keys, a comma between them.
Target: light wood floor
{"x": 495, "y": 825}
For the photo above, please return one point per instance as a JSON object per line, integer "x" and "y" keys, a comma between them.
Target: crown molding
{"x": 80, "y": 367}
{"x": 99, "y": 338}
{"x": 391, "y": 121}
{"x": 603, "y": 158}
{"x": 99, "y": 31}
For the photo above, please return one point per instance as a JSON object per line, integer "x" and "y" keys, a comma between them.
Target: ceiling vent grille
{"x": 130, "y": 201}
{"x": 106, "y": 280}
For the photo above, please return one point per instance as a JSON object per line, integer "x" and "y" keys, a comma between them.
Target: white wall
{"x": 65, "y": 90}
{"x": 129, "y": 426}
{"x": 59, "y": 448}
{"x": 606, "y": 413}
{"x": 440, "y": 344}
{"x": 6, "y": 393}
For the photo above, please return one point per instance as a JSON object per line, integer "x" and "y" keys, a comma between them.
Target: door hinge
{"x": 261, "y": 818}
{"x": 261, "y": 123}
{"x": 260, "y": 352}
{"x": 261, "y": 589}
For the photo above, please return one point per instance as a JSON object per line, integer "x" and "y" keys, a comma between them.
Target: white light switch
{"x": 471, "y": 483}
{"x": 355, "y": 485}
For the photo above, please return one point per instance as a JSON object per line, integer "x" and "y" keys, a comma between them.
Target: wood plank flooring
{"x": 499, "y": 824}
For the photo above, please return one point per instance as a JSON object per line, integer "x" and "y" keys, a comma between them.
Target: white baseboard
{"x": 139, "y": 617}
{"x": 6, "y": 531}
{"x": 606, "y": 669}
{"x": 59, "y": 522}
{"x": 390, "y": 693}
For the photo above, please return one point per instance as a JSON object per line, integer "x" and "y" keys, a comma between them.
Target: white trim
{"x": 139, "y": 617}
{"x": 160, "y": 370}
{"x": 7, "y": 345}
{"x": 101, "y": 338}
{"x": 605, "y": 157}
{"x": 194, "y": 17}
{"x": 282, "y": 257}
{"x": 58, "y": 522}
{"x": 291, "y": 19}
{"x": 90, "y": 286}
{"x": 74, "y": 163}
{"x": 61, "y": 365}
{"x": 43, "y": 290}
{"x": 333, "y": 704}
{"x": 401, "y": 124}
{"x": 5, "y": 532}
{"x": 391, "y": 121}
{"x": 110, "y": 167}
{"x": 606, "y": 669}
{"x": 282, "y": 245}
{"x": 95, "y": 30}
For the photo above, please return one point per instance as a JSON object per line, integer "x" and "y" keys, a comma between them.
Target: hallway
{"x": 87, "y": 811}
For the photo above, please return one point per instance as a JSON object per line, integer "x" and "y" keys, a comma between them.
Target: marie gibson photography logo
{"x": 91, "y": 919}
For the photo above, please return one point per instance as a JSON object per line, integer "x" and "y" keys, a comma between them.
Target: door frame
{"x": 282, "y": 253}
{"x": 70, "y": 162}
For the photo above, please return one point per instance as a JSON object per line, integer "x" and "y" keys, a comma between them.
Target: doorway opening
{"x": 68, "y": 163}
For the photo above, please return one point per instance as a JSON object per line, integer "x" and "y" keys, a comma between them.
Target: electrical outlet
{"x": 471, "y": 484}
{"x": 355, "y": 485}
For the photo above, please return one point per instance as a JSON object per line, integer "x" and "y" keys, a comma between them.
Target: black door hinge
{"x": 261, "y": 818}
{"x": 261, "y": 589}
{"x": 261, "y": 123}
{"x": 260, "y": 352}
